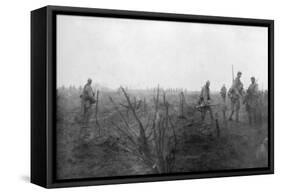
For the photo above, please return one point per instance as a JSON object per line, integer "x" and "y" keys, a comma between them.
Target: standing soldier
{"x": 252, "y": 101}
{"x": 87, "y": 99}
{"x": 204, "y": 101}
{"x": 223, "y": 95}
{"x": 235, "y": 93}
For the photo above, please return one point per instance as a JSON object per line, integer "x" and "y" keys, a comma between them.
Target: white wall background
{"x": 15, "y": 95}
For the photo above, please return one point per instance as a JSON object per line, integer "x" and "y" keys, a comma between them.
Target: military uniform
{"x": 87, "y": 99}
{"x": 234, "y": 93}
{"x": 204, "y": 102}
{"x": 252, "y": 102}
{"x": 223, "y": 92}
{"x": 224, "y": 106}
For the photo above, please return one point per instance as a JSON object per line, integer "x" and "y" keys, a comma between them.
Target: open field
{"x": 151, "y": 131}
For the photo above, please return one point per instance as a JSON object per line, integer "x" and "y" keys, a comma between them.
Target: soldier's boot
{"x": 250, "y": 118}
{"x": 203, "y": 115}
{"x": 237, "y": 116}
{"x": 223, "y": 115}
{"x": 211, "y": 114}
{"x": 230, "y": 116}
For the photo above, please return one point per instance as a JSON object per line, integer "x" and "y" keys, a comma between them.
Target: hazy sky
{"x": 143, "y": 53}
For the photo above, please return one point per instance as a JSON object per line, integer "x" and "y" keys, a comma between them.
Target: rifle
{"x": 204, "y": 106}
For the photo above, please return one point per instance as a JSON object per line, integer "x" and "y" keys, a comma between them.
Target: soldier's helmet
{"x": 239, "y": 73}
{"x": 89, "y": 80}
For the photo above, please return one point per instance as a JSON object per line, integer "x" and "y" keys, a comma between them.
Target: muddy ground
{"x": 92, "y": 151}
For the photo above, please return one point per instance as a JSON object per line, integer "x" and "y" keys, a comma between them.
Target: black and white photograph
{"x": 147, "y": 97}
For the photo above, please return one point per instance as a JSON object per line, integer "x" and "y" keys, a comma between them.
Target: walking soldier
{"x": 224, "y": 106}
{"x": 235, "y": 93}
{"x": 87, "y": 99}
{"x": 204, "y": 101}
{"x": 252, "y": 102}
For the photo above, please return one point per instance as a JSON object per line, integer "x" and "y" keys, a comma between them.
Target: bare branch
{"x": 142, "y": 133}
{"x": 129, "y": 130}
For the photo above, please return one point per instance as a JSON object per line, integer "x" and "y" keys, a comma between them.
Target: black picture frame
{"x": 43, "y": 94}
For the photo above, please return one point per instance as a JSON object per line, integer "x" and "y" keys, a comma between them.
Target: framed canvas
{"x": 128, "y": 96}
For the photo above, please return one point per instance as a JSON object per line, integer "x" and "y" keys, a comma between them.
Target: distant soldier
{"x": 235, "y": 93}
{"x": 224, "y": 106}
{"x": 87, "y": 99}
{"x": 252, "y": 101}
{"x": 223, "y": 92}
{"x": 204, "y": 101}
